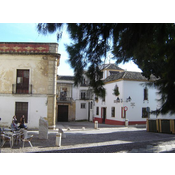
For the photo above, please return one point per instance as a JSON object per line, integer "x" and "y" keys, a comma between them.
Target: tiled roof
{"x": 137, "y": 76}
{"x": 110, "y": 66}
{"x": 66, "y": 77}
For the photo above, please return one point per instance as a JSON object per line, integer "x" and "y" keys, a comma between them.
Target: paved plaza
{"x": 81, "y": 137}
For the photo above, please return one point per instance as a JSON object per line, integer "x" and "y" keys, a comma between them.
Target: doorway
{"x": 103, "y": 114}
{"x": 21, "y": 108}
{"x": 62, "y": 113}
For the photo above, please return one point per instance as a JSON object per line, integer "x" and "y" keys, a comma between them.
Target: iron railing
{"x": 21, "y": 89}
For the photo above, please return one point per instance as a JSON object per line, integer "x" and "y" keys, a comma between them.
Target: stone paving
{"x": 81, "y": 137}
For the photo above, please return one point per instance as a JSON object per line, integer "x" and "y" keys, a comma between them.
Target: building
{"x": 66, "y": 105}
{"x": 74, "y": 102}
{"x": 127, "y": 97}
{"x": 28, "y": 82}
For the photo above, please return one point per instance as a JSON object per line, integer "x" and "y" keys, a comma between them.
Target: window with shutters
{"x": 22, "y": 82}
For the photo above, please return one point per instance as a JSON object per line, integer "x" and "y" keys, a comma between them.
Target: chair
{"x": 27, "y": 138}
{"x": 6, "y": 138}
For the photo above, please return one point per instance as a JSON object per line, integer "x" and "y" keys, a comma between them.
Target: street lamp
{"x": 121, "y": 100}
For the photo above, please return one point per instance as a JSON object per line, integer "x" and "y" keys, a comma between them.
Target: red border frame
{"x": 87, "y": 11}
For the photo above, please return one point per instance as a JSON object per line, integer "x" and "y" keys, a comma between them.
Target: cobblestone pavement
{"x": 81, "y": 137}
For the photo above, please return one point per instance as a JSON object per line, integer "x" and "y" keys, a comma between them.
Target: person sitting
{"x": 22, "y": 122}
{"x": 15, "y": 119}
{"x": 14, "y": 126}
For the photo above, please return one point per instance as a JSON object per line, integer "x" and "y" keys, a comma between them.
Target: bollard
{"x": 62, "y": 132}
{"x": 126, "y": 122}
{"x": 96, "y": 125}
{"x": 58, "y": 139}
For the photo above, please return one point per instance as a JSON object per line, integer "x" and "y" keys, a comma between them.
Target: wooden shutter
{"x": 21, "y": 108}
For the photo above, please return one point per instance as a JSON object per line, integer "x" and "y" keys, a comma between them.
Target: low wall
{"x": 161, "y": 125}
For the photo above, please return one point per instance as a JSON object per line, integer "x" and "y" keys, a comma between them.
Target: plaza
{"x": 82, "y": 137}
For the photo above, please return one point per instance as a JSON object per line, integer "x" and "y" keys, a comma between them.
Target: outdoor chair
{"x": 28, "y": 139}
{"x": 6, "y": 138}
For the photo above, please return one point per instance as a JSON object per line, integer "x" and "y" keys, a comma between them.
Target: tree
{"x": 150, "y": 46}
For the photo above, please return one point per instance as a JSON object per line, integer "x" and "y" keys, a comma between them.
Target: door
{"x": 89, "y": 111}
{"x": 103, "y": 113}
{"x": 62, "y": 113}
{"x": 21, "y": 108}
{"x": 22, "y": 82}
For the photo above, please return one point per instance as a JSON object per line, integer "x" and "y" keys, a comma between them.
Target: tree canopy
{"x": 150, "y": 46}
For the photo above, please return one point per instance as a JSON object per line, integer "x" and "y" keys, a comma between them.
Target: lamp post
{"x": 118, "y": 100}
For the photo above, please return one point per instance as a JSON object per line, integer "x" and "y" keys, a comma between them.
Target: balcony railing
{"x": 21, "y": 89}
{"x": 65, "y": 99}
{"x": 86, "y": 95}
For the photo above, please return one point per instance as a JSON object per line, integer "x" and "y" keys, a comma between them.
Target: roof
{"x": 29, "y": 48}
{"x": 110, "y": 66}
{"x": 127, "y": 75}
{"x": 65, "y": 77}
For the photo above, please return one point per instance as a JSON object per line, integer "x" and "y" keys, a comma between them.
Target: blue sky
{"x": 27, "y": 32}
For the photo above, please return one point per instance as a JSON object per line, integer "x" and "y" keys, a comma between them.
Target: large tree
{"x": 150, "y": 46}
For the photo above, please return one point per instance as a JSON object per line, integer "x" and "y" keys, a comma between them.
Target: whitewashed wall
{"x": 135, "y": 90}
{"x": 37, "y": 108}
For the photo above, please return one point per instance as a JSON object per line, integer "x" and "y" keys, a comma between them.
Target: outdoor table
{"x": 6, "y": 129}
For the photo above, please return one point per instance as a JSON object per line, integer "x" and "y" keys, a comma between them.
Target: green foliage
{"x": 150, "y": 46}
{"x": 116, "y": 91}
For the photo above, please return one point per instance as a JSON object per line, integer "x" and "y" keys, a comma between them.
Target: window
{"x": 83, "y": 105}
{"x": 145, "y": 93}
{"x": 21, "y": 108}
{"x": 145, "y": 112}
{"x": 83, "y": 95}
{"x": 97, "y": 110}
{"x": 113, "y": 112}
{"x": 123, "y": 113}
{"x": 91, "y": 104}
{"x": 22, "y": 82}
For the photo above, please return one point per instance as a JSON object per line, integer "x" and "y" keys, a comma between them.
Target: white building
{"x": 133, "y": 101}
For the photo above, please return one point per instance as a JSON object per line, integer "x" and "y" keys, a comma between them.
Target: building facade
{"x": 127, "y": 97}
{"x": 74, "y": 102}
{"x": 28, "y": 82}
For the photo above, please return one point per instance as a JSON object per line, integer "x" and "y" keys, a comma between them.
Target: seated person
{"x": 14, "y": 126}
{"x": 22, "y": 122}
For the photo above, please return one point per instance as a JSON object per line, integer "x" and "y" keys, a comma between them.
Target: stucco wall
{"x": 42, "y": 77}
{"x": 38, "y": 69}
{"x": 37, "y": 108}
{"x": 134, "y": 89}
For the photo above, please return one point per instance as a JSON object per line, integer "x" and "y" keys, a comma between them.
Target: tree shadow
{"x": 109, "y": 142}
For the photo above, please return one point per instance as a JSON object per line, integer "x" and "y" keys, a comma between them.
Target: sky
{"x": 27, "y": 32}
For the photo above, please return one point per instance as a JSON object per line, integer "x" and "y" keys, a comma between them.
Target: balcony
{"x": 64, "y": 98}
{"x": 21, "y": 89}
{"x": 85, "y": 95}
